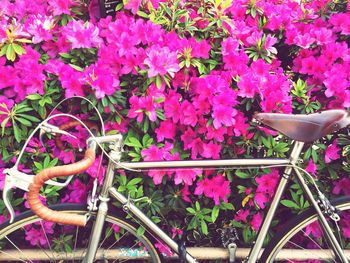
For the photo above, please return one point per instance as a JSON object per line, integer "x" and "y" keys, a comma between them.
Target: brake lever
{"x": 49, "y": 128}
{"x": 14, "y": 178}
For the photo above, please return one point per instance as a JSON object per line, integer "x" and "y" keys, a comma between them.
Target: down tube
{"x": 147, "y": 222}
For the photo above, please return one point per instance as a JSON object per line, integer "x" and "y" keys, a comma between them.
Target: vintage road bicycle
{"x": 98, "y": 233}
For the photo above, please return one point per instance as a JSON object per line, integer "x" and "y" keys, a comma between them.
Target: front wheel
{"x": 30, "y": 239}
{"x": 302, "y": 240}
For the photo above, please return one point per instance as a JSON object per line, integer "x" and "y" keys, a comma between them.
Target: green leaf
{"x": 142, "y": 14}
{"x": 18, "y": 49}
{"x": 23, "y": 121}
{"x": 3, "y": 50}
{"x": 289, "y": 203}
{"x": 204, "y": 227}
{"x": 141, "y": 231}
{"x": 10, "y": 53}
{"x": 134, "y": 181}
{"x": 76, "y": 67}
{"x": 133, "y": 142}
{"x": 16, "y": 131}
{"x": 215, "y": 213}
{"x": 119, "y": 7}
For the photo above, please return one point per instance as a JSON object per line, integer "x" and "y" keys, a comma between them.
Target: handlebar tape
{"x": 65, "y": 170}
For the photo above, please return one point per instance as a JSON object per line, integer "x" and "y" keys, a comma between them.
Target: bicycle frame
{"x": 289, "y": 164}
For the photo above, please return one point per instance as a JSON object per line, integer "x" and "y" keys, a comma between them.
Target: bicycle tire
{"x": 302, "y": 236}
{"x": 17, "y": 239}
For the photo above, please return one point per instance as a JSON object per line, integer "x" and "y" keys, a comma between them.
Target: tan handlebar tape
{"x": 65, "y": 170}
{"x": 69, "y": 125}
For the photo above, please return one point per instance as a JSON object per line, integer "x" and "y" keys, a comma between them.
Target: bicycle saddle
{"x": 305, "y": 127}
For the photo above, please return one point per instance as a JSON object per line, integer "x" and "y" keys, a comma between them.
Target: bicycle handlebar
{"x": 64, "y": 170}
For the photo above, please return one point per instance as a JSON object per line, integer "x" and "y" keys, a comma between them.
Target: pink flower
{"x": 78, "y": 192}
{"x": 97, "y": 170}
{"x": 141, "y": 106}
{"x": 40, "y": 27}
{"x": 256, "y": 221}
{"x": 160, "y": 61}
{"x": 242, "y": 215}
{"x": 164, "y": 249}
{"x": 153, "y": 153}
{"x": 223, "y": 115}
{"x": 211, "y": 150}
{"x": 133, "y": 5}
{"x": 314, "y": 229}
{"x": 166, "y": 130}
{"x": 188, "y": 114}
{"x": 185, "y": 193}
{"x": 268, "y": 45}
{"x": 176, "y": 231}
{"x": 332, "y": 152}
{"x": 342, "y": 186}
{"x": 101, "y": 80}
{"x": 186, "y": 176}
{"x": 59, "y": 7}
{"x": 311, "y": 167}
{"x": 37, "y": 233}
{"x": 214, "y": 188}
{"x": 82, "y": 35}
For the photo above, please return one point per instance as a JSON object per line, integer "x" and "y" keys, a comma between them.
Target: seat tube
{"x": 254, "y": 253}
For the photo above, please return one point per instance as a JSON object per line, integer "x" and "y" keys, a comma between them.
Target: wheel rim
{"x": 305, "y": 242}
{"x": 33, "y": 240}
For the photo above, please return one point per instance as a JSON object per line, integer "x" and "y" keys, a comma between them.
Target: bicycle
{"x": 97, "y": 226}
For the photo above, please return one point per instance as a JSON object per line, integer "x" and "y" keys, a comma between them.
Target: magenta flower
{"x": 332, "y": 152}
{"x": 140, "y": 106}
{"x": 314, "y": 229}
{"x": 311, "y": 167}
{"x": 59, "y": 7}
{"x": 223, "y": 115}
{"x": 211, "y": 150}
{"x": 82, "y": 35}
{"x": 256, "y": 221}
{"x": 342, "y": 186}
{"x": 242, "y": 215}
{"x": 186, "y": 176}
{"x": 160, "y": 61}
{"x": 166, "y": 130}
{"x": 101, "y": 80}
{"x": 268, "y": 45}
{"x": 176, "y": 232}
{"x": 41, "y": 28}
{"x": 216, "y": 188}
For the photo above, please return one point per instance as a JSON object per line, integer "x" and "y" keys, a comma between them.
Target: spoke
{"x": 13, "y": 244}
{"x": 47, "y": 240}
{"x": 75, "y": 241}
{"x": 117, "y": 241}
{"x": 126, "y": 259}
{"x": 107, "y": 235}
{"x": 298, "y": 246}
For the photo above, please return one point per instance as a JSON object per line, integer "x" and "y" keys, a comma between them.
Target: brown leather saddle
{"x": 306, "y": 127}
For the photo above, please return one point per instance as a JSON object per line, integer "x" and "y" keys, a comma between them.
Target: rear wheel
{"x": 302, "y": 240}
{"x": 30, "y": 239}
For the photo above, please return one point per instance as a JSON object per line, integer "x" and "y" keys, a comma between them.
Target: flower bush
{"x": 180, "y": 80}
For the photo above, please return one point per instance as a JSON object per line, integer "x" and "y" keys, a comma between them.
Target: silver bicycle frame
{"x": 108, "y": 189}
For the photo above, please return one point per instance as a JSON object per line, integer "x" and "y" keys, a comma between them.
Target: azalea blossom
{"x": 332, "y": 152}
{"x": 160, "y": 61}
{"x": 82, "y": 35}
